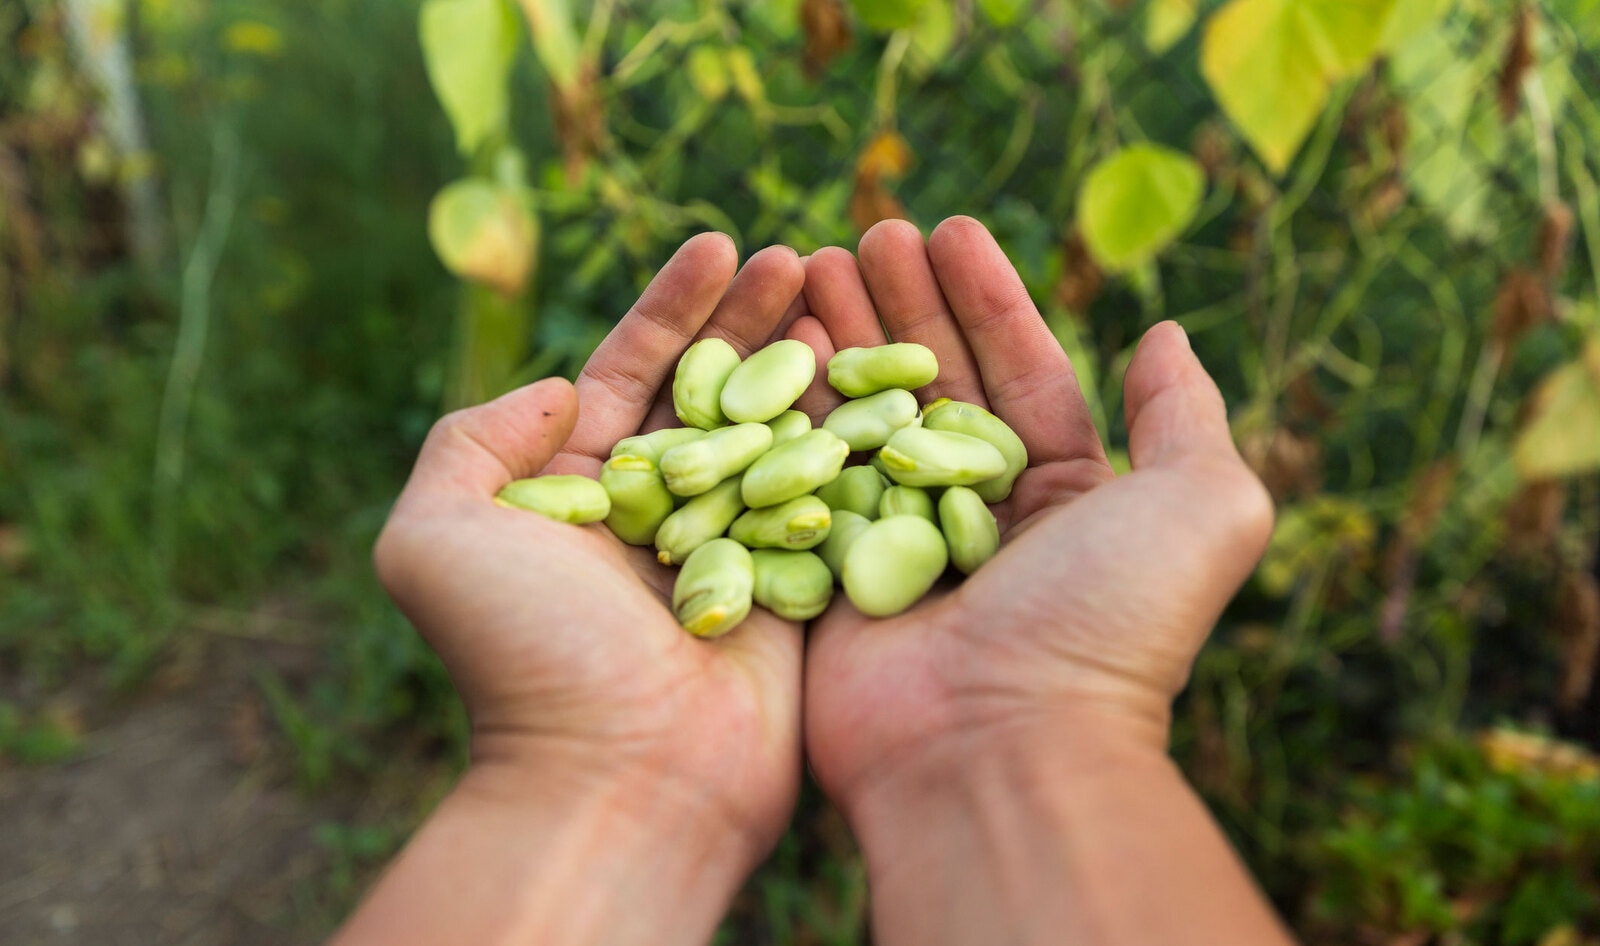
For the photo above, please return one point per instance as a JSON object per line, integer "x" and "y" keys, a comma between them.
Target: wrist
{"x": 514, "y": 855}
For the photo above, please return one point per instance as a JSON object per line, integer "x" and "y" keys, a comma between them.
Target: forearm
{"x": 1101, "y": 844}
{"x": 505, "y": 860}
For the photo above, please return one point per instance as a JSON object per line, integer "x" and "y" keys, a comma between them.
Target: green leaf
{"x": 932, "y": 36}
{"x": 1135, "y": 202}
{"x": 1270, "y": 64}
{"x": 1167, "y": 21}
{"x": 1002, "y": 13}
{"x": 468, "y": 47}
{"x": 1562, "y": 434}
{"x": 886, "y": 15}
{"x": 485, "y": 232}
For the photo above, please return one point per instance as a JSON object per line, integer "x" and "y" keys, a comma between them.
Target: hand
{"x": 1085, "y": 625}
{"x": 559, "y": 637}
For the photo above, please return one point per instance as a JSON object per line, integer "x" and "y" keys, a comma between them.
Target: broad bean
{"x": 796, "y": 586}
{"x": 640, "y": 500}
{"x": 920, "y": 456}
{"x": 698, "y": 381}
{"x": 769, "y": 381}
{"x": 698, "y": 521}
{"x": 866, "y": 423}
{"x": 858, "y": 372}
{"x": 800, "y": 523}
{"x": 715, "y": 589}
{"x": 692, "y": 468}
{"x": 788, "y": 425}
{"x": 969, "y": 528}
{"x": 566, "y": 498}
{"x": 856, "y": 488}
{"x": 892, "y": 564}
{"x": 972, "y": 420}
{"x": 652, "y": 445}
{"x": 907, "y": 501}
{"x": 846, "y": 528}
{"x": 794, "y": 469}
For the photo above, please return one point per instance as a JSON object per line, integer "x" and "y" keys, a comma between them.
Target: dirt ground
{"x": 175, "y": 823}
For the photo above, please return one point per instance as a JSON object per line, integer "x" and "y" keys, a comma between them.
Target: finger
{"x": 745, "y": 317}
{"x": 819, "y": 398}
{"x": 1026, "y": 377}
{"x": 1178, "y": 425}
{"x": 905, "y": 290}
{"x": 620, "y": 381}
{"x": 474, "y": 452}
{"x": 798, "y": 307}
{"x": 837, "y": 295}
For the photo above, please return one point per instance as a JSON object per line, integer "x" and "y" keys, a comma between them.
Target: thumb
{"x": 474, "y": 452}
{"x": 1177, "y": 421}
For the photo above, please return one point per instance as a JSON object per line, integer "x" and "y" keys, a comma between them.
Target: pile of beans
{"x": 760, "y": 509}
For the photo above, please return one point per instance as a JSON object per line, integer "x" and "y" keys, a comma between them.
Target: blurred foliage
{"x": 1379, "y": 221}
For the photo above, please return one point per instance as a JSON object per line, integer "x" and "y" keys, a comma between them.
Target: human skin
{"x": 625, "y": 777}
{"x": 1000, "y": 748}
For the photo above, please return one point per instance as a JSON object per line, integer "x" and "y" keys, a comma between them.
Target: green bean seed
{"x": 788, "y": 425}
{"x": 969, "y": 528}
{"x": 856, "y": 488}
{"x": 769, "y": 382}
{"x": 796, "y": 586}
{"x": 858, "y": 372}
{"x": 715, "y": 589}
{"x": 652, "y": 445}
{"x": 575, "y": 499}
{"x": 907, "y": 501}
{"x": 847, "y": 527}
{"x": 698, "y": 382}
{"x": 970, "y": 419}
{"x": 698, "y": 521}
{"x": 919, "y": 456}
{"x": 692, "y": 468}
{"x": 800, "y": 523}
{"x": 794, "y": 469}
{"x": 892, "y": 564}
{"x": 866, "y": 423}
{"x": 640, "y": 500}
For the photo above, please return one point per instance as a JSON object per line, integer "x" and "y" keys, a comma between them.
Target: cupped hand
{"x": 560, "y": 638}
{"x": 1086, "y": 624}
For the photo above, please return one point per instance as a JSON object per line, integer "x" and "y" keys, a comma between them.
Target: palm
{"x": 560, "y": 638}
{"x": 1035, "y": 627}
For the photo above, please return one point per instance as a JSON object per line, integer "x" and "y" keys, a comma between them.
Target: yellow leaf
{"x": 1562, "y": 434}
{"x": 485, "y": 232}
{"x": 1270, "y": 64}
{"x": 1166, "y": 22}
{"x": 886, "y": 155}
{"x": 707, "y": 73}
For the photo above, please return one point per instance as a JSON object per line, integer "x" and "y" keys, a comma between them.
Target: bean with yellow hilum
{"x": 761, "y": 509}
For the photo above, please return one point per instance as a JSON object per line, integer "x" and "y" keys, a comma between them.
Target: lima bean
{"x": 698, "y": 381}
{"x": 858, "y": 372}
{"x": 769, "y": 382}
{"x": 963, "y": 418}
{"x": 800, "y": 523}
{"x": 565, "y": 498}
{"x": 892, "y": 564}
{"x": 715, "y": 589}
{"x": 794, "y": 469}
{"x": 866, "y": 423}
{"x": 969, "y": 528}
{"x": 698, "y": 521}
{"x": 640, "y": 500}
{"x": 694, "y": 467}
{"x": 921, "y": 456}
{"x": 796, "y": 586}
